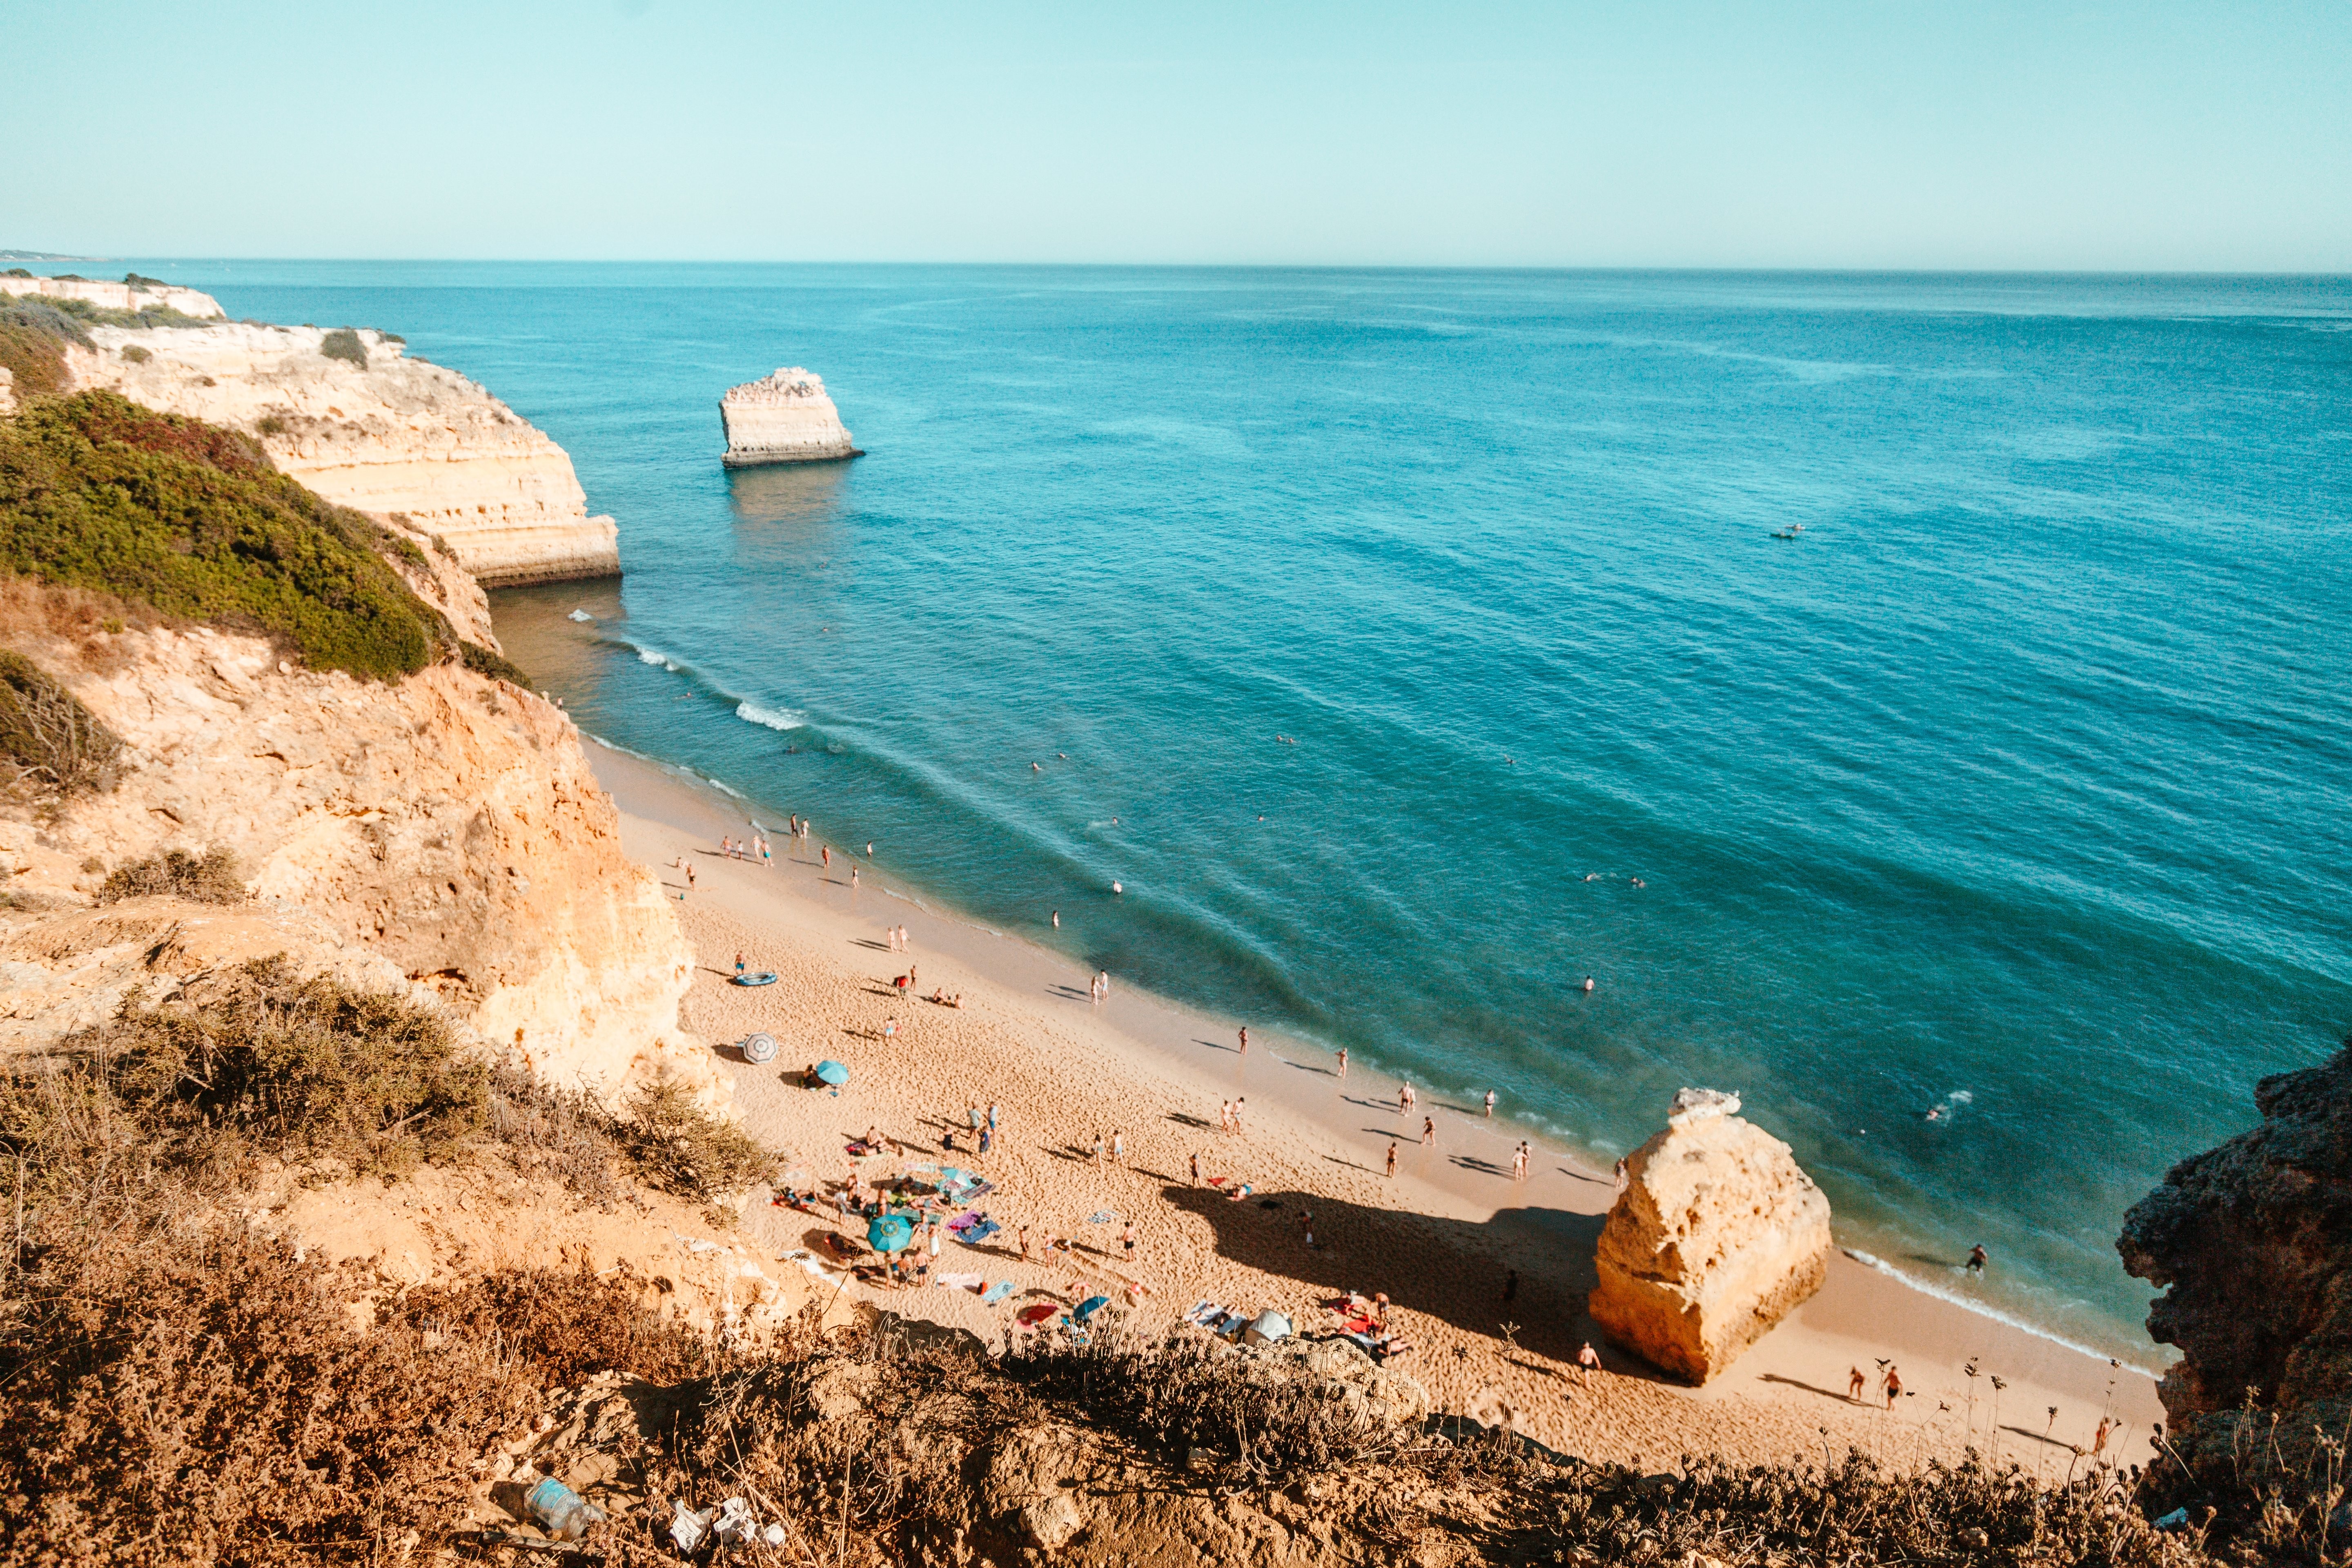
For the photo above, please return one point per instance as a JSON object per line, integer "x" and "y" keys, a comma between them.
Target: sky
{"x": 2143, "y": 136}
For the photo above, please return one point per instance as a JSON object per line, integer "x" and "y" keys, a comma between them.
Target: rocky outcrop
{"x": 442, "y": 833}
{"x": 1718, "y": 1236}
{"x": 413, "y": 444}
{"x": 143, "y": 295}
{"x": 2252, "y": 1242}
{"x": 783, "y": 418}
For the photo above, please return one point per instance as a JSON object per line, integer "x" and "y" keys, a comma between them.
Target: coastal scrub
{"x": 96, "y": 492}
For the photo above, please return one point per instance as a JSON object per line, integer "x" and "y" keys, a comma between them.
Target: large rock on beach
{"x": 1718, "y": 1236}
{"x": 2253, "y": 1243}
{"x": 782, "y": 418}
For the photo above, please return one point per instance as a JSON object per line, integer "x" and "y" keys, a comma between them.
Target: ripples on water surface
{"x": 2016, "y": 786}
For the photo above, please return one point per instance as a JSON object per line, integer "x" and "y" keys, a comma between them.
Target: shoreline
{"x": 1489, "y": 1224}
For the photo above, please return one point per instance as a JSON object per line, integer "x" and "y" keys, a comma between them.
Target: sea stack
{"x": 1717, "y": 1236}
{"x": 782, "y": 418}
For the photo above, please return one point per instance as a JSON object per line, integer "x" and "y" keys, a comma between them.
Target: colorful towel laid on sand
{"x": 1216, "y": 1181}
{"x": 981, "y": 1232}
{"x": 1358, "y": 1326}
{"x": 961, "y": 1281}
{"x": 997, "y": 1292}
{"x": 1031, "y": 1316}
{"x": 1102, "y": 1217}
{"x": 1201, "y": 1311}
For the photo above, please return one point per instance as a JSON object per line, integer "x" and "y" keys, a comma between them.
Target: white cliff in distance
{"x": 414, "y": 445}
{"x": 782, "y": 418}
{"x": 144, "y": 295}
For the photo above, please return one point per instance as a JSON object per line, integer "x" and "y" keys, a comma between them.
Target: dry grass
{"x": 50, "y": 745}
{"x": 210, "y": 878}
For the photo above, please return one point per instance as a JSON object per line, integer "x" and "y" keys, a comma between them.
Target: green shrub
{"x": 210, "y": 878}
{"x": 135, "y": 354}
{"x": 343, "y": 343}
{"x": 47, "y": 738}
{"x": 406, "y": 549}
{"x": 33, "y": 338}
{"x": 96, "y": 492}
{"x": 482, "y": 661}
{"x": 108, "y": 316}
{"x": 270, "y": 424}
{"x": 19, "y": 272}
{"x": 137, "y": 281}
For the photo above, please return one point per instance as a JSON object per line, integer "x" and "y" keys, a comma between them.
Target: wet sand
{"x": 1441, "y": 1237}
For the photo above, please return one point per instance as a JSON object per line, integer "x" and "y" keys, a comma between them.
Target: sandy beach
{"x": 1443, "y": 1238}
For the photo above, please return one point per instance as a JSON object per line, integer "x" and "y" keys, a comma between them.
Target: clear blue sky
{"x": 1652, "y": 132}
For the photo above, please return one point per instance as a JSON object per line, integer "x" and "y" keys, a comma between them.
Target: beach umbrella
{"x": 833, "y": 1073}
{"x": 760, "y": 1048}
{"x": 889, "y": 1233}
{"x": 1089, "y": 1307}
{"x": 1267, "y": 1328}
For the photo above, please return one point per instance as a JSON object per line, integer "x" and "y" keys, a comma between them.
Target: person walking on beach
{"x": 1196, "y": 1167}
{"x": 853, "y": 877}
{"x": 1391, "y": 1159}
{"x": 1404, "y": 1100}
{"x": 1520, "y": 1158}
{"x": 738, "y": 966}
{"x": 1103, "y": 981}
{"x": 1097, "y": 1148}
{"x": 689, "y": 876}
{"x": 972, "y": 1117}
{"x": 825, "y": 852}
{"x": 1127, "y": 1240}
{"x": 1855, "y": 1384}
{"x": 1118, "y": 1146}
{"x": 1894, "y": 1385}
{"x": 1624, "y": 1180}
{"x": 1241, "y": 1106}
{"x": 1587, "y": 1361}
{"x": 1025, "y": 1244}
{"x": 1225, "y": 1116}
{"x": 1977, "y": 1258}
{"x": 1490, "y": 1105}
{"x": 767, "y": 856}
{"x": 1428, "y": 1131}
{"x": 2099, "y": 1439}
{"x": 1245, "y": 1039}
{"x": 1343, "y": 1061}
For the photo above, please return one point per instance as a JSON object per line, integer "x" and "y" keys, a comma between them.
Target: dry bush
{"x": 210, "y": 878}
{"x": 564, "y": 1327}
{"x": 1268, "y": 1421}
{"x": 683, "y": 1150}
{"x": 48, "y": 741}
{"x": 271, "y": 1063}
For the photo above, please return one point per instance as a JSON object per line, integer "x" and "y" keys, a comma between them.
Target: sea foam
{"x": 773, "y": 718}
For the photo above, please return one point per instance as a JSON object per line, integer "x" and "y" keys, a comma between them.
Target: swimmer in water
{"x": 1588, "y": 983}
{"x": 1592, "y": 876}
{"x": 1639, "y": 883}
{"x": 1058, "y": 919}
{"x": 1036, "y": 767}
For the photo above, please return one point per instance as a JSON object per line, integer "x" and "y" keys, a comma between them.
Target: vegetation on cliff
{"x": 33, "y": 338}
{"x": 49, "y": 743}
{"x": 98, "y": 493}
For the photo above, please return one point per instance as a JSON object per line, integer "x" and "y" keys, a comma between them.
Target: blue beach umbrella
{"x": 833, "y": 1073}
{"x": 1089, "y": 1307}
{"x": 889, "y": 1233}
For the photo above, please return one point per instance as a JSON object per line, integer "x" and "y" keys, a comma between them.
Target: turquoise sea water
{"x": 2019, "y": 784}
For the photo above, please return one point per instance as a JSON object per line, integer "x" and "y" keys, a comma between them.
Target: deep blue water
{"x": 2020, "y": 783}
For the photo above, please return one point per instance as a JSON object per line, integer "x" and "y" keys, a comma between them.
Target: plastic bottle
{"x": 561, "y": 1512}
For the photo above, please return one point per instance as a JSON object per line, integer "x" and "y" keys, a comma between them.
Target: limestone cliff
{"x": 413, "y": 444}
{"x": 2252, "y": 1242}
{"x": 1718, "y": 1236}
{"x": 442, "y": 832}
{"x": 146, "y": 294}
{"x": 782, "y": 418}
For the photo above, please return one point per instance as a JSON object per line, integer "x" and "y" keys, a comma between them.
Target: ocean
{"x": 1900, "y": 694}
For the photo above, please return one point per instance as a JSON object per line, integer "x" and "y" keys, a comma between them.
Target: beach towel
{"x": 966, "y": 1220}
{"x": 997, "y": 1292}
{"x": 1102, "y": 1217}
{"x": 1216, "y": 1181}
{"x": 1204, "y": 1312}
{"x": 1358, "y": 1325}
{"x": 961, "y": 1281}
{"x": 1031, "y": 1316}
{"x": 981, "y": 1232}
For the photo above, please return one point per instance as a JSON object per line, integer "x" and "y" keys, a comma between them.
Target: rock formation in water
{"x": 415, "y": 445}
{"x": 131, "y": 294}
{"x": 1716, "y": 1238}
{"x": 2252, "y": 1242}
{"x": 783, "y": 418}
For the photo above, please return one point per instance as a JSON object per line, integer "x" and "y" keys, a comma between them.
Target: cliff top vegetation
{"x": 98, "y": 493}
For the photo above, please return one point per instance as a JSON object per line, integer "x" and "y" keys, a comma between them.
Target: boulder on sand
{"x": 1717, "y": 1236}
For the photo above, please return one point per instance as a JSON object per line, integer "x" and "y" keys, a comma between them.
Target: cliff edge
{"x": 782, "y": 418}
{"x": 377, "y": 802}
{"x": 2252, "y": 1244}
{"x": 413, "y": 444}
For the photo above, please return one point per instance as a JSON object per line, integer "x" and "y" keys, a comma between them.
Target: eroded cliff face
{"x": 1718, "y": 1236}
{"x": 2252, "y": 1242}
{"x": 413, "y": 444}
{"x": 443, "y": 833}
{"x": 123, "y": 295}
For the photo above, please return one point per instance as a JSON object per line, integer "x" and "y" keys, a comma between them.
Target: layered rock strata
{"x": 1718, "y": 1236}
{"x": 2252, "y": 1244}
{"x": 123, "y": 295}
{"x": 782, "y": 418}
{"x": 410, "y": 444}
{"x": 441, "y": 834}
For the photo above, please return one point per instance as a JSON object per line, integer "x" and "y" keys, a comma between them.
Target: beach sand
{"x": 1441, "y": 1237}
